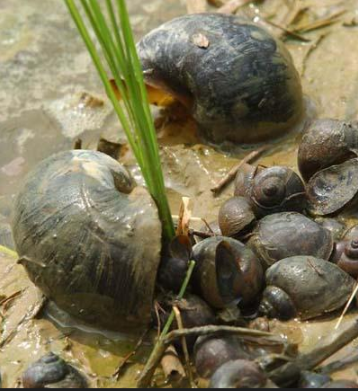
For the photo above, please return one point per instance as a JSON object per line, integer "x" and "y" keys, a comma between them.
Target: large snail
{"x": 51, "y": 371}
{"x": 283, "y": 235}
{"x": 238, "y": 81}
{"x": 271, "y": 189}
{"x": 89, "y": 238}
{"x": 304, "y": 287}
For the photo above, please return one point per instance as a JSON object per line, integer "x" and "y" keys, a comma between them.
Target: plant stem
{"x": 8, "y": 251}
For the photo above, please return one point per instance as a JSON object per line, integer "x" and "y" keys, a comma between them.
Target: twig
{"x": 125, "y": 360}
{"x": 232, "y": 6}
{"x": 208, "y": 226}
{"x": 355, "y": 290}
{"x": 8, "y": 251}
{"x": 321, "y": 23}
{"x": 196, "y": 6}
{"x": 10, "y": 298}
{"x": 288, "y": 31}
{"x": 233, "y": 171}
{"x": 288, "y": 373}
{"x": 312, "y": 48}
{"x": 166, "y": 340}
{"x": 185, "y": 347}
{"x": 172, "y": 367}
{"x": 154, "y": 359}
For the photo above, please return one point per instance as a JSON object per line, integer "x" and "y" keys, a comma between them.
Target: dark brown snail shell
{"x": 313, "y": 286}
{"x": 283, "y": 235}
{"x": 89, "y": 238}
{"x": 238, "y": 81}
{"x": 211, "y": 352}
{"x": 333, "y": 188}
{"x": 52, "y": 371}
{"x": 271, "y": 190}
{"x": 336, "y": 228}
{"x": 236, "y": 217}
{"x": 346, "y": 252}
{"x": 326, "y": 142}
{"x": 238, "y": 374}
{"x": 226, "y": 271}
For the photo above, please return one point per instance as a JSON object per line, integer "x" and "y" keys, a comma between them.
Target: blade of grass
{"x": 120, "y": 57}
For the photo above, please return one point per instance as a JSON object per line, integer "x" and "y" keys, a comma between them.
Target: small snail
{"x": 326, "y": 142}
{"x": 236, "y": 217}
{"x": 52, "y": 371}
{"x": 211, "y": 352}
{"x": 238, "y": 81}
{"x": 312, "y": 379}
{"x": 226, "y": 271}
{"x": 333, "y": 188}
{"x": 302, "y": 286}
{"x": 89, "y": 238}
{"x": 238, "y": 374}
{"x": 346, "y": 252}
{"x": 282, "y": 235}
{"x": 271, "y": 190}
{"x": 174, "y": 264}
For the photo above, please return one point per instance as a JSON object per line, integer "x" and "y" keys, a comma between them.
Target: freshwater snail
{"x": 226, "y": 271}
{"x": 238, "y": 81}
{"x": 89, "y": 238}
{"x": 271, "y": 189}
{"x": 302, "y": 286}
{"x": 282, "y": 235}
{"x": 51, "y": 371}
{"x": 325, "y": 143}
{"x": 211, "y": 352}
{"x": 238, "y": 374}
{"x": 236, "y": 217}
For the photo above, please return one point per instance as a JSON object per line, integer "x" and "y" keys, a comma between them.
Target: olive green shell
{"x": 286, "y": 234}
{"x": 240, "y": 81}
{"x": 314, "y": 285}
{"x": 89, "y": 238}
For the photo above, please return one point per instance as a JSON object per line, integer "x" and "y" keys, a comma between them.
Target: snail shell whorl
{"x": 88, "y": 238}
{"x": 240, "y": 83}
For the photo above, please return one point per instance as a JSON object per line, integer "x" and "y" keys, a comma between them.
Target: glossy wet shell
{"x": 247, "y": 272}
{"x": 52, "y": 371}
{"x": 314, "y": 285}
{"x": 331, "y": 189}
{"x": 271, "y": 190}
{"x": 325, "y": 143}
{"x": 283, "y": 235}
{"x": 239, "y": 81}
{"x": 88, "y": 238}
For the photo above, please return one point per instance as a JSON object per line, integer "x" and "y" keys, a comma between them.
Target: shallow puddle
{"x": 46, "y": 77}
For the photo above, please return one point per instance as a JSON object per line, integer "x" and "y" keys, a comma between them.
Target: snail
{"x": 238, "y": 374}
{"x": 226, "y": 271}
{"x": 326, "y": 142}
{"x": 174, "y": 264}
{"x": 271, "y": 189}
{"x": 51, "y": 371}
{"x": 302, "y": 286}
{"x": 282, "y": 235}
{"x": 194, "y": 312}
{"x": 89, "y": 238}
{"x": 211, "y": 352}
{"x": 237, "y": 80}
{"x": 236, "y": 217}
{"x": 346, "y": 252}
{"x": 312, "y": 379}
{"x": 333, "y": 188}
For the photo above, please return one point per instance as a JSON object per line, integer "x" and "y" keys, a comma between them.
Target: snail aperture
{"x": 238, "y": 81}
{"x": 89, "y": 238}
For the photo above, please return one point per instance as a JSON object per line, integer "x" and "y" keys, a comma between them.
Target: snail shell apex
{"x": 241, "y": 86}
{"x": 89, "y": 238}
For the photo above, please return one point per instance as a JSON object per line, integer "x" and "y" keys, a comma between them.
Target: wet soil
{"x": 44, "y": 73}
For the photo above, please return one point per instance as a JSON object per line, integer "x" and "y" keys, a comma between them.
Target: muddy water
{"x": 45, "y": 73}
